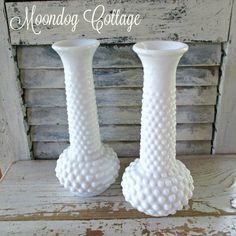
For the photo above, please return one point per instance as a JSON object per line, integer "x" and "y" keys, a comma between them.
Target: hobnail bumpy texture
{"x": 157, "y": 193}
{"x": 85, "y": 178}
{"x": 86, "y": 167}
{"x": 158, "y": 184}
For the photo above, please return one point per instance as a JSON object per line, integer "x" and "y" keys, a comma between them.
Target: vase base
{"x": 157, "y": 194}
{"x": 87, "y": 178}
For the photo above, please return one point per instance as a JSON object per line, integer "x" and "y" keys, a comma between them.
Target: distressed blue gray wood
{"x": 120, "y": 96}
{"x": 119, "y": 132}
{"x": 52, "y": 150}
{"x": 115, "y": 56}
{"x": 54, "y": 78}
{"x": 118, "y": 115}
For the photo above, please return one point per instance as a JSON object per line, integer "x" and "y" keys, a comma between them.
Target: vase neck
{"x": 159, "y": 72}
{"x": 80, "y": 99}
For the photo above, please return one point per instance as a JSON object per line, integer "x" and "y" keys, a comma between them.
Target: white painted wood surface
{"x": 51, "y": 210}
{"x": 197, "y": 226}
{"x": 225, "y": 134}
{"x": 13, "y": 138}
{"x": 183, "y": 20}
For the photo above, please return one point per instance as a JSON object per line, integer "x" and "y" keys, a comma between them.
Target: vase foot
{"x": 87, "y": 178}
{"x": 157, "y": 194}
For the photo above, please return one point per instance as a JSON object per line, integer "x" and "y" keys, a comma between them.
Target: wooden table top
{"x": 33, "y": 202}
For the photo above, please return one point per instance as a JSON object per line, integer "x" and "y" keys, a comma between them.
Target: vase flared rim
{"x": 157, "y": 47}
{"x": 75, "y": 44}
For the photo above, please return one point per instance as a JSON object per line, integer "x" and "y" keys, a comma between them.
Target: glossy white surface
{"x": 86, "y": 167}
{"x": 157, "y": 184}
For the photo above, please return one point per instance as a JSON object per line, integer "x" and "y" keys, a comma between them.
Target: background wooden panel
{"x": 117, "y": 56}
{"x": 13, "y": 136}
{"x": 118, "y": 115}
{"x": 120, "y": 132}
{"x": 121, "y": 97}
{"x": 184, "y": 20}
{"x": 225, "y": 133}
{"x": 52, "y": 150}
{"x": 116, "y": 77}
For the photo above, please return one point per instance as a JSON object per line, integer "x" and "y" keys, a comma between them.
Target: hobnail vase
{"x": 87, "y": 167}
{"x": 156, "y": 183}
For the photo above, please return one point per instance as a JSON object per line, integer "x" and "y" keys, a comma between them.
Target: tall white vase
{"x": 86, "y": 167}
{"x": 158, "y": 184}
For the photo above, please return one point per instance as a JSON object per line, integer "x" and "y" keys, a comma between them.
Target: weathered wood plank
{"x": 52, "y": 150}
{"x": 13, "y": 137}
{"x": 120, "y": 97}
{"x": 214, "y": 193}
{"x": 225, "y": 139}
{"x": 51, "y": 78}
{"x": 119, "y": 115}
{"x": 117, "y": 56}
{"x": 223, "y": 225}
{"x": 182, "y": 19}
{"x": 120, "y": 132}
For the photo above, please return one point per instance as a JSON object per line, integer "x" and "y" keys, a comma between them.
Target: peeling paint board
{"x": 120, "y": 97}
{"x": 180, "y": 20}
{"x": 115, "y": 56}
{"x": 52, "y": 150}
{"x": 225, "y": 132}
{"x": 214, "y": 179}
{"x": 120, "y": 132}
{"x": 13, "y": 137}
{"x": 223, "y": 225}
{"x": 118, "y": 115}
{"x": 53, "y": 78}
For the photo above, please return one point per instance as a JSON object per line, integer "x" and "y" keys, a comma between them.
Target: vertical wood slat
{"x": 13, "y": 137}
{"x": 225, "y": 125}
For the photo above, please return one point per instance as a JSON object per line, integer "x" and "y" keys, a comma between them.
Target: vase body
{"x": 86, "y": 167}
{"x": 156, "y": 183}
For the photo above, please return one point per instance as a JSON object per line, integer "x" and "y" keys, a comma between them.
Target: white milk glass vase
{"x": 156, "y": 183}
{"x": 86, "y": 167}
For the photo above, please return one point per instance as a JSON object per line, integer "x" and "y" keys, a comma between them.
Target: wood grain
{"x": 118, "y": 115}
{"x": 54, "y": 78}
{"x": 52, "y": 150}
{"x": 225, "y": 139}
{"x": 120, "y": 97}
{"x": 180, "y": 20}
{"x": 223, "y": 225}
{"x": 214, "y": 180}
{"x": 13, "y": 137}
{"x": 115, "y": 56}
{"x": 120, "y": 132}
